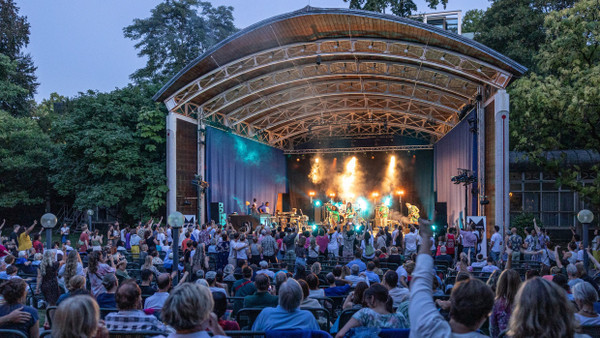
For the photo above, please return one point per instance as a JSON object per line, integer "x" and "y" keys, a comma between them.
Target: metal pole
{"x": 48, "y": 238}
{"x": 586, "y": 230}
{"x": 90, "y": 222}
{"x": 175, "y": 250}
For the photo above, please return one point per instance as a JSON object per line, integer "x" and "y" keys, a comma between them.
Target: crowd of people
{"x": 398, "y": 278}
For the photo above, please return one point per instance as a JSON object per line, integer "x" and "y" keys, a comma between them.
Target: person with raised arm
{"x": 471, "y": 300}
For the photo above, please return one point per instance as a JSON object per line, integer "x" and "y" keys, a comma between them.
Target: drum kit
{"x": 292, "y": 218}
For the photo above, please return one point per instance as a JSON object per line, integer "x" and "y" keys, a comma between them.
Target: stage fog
{"x": 364, "y": 179}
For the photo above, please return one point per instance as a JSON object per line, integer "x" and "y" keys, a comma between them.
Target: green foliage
{"x": 472, "y": 20}
{"x": 25, "y": 153}
{"x": 111, "y": 151}
{"x": 403, "y": 8}
{"x": 558, "y": 107}
{"x": 177, "y": 32}
{"x": 19, "y": 70}
{"x": 522, "y": 221}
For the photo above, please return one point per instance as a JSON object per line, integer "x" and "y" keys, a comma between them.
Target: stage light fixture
{"x": 375, "y": 194}
{"x": 317, "y": 203}
{"x": 400, "y": 192}
{"x": 311, "y": 194}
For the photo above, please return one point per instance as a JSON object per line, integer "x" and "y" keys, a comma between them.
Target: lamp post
{"x": 176, "y": 220}
{"x": 585, "y": 217}
{"x": 90, "y": 213}
{"x": 48, "y": 222}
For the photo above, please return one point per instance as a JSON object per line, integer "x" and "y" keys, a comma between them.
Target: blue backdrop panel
{"x": 239, "y": 170}
{"x": 424, "y": 182}
{"x": 457, "y": 149}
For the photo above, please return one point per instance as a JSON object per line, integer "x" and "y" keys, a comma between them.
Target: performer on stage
{"x": 413, "y": 213}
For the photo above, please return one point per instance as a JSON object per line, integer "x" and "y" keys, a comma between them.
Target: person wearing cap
{"x": 121, "y": 271}
{"x": 158, "y": 299}
{"x": 211, "y": 279}
{"x": 262, "y": 298}
{"x": 264, "y": 270}
{"x": 106, "y": 300}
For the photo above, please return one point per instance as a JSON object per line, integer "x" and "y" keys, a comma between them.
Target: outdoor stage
{"x": 251, "y": 116}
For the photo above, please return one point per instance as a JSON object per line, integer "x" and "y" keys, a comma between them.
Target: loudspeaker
{"x": 222, "y": 219}
{"x": 216, "y": 210}
{"x": 238, "y": 220}
{"x": 441, "y": 214}
{"x": 285, "y": 202}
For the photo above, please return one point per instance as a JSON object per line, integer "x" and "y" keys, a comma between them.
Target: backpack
{"x": 369, "y": 250}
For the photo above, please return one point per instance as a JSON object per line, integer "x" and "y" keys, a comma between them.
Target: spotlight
{"x": 400, "y": 192}
{"x": 311, "y": 194}
{"x": 318, "y": 203}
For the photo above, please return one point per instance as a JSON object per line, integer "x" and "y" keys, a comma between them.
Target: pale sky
{"x": 79, "y": 44}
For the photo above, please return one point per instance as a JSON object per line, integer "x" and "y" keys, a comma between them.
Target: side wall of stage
{"x": 239, "y": 170}
{"x": 457, "y": 149}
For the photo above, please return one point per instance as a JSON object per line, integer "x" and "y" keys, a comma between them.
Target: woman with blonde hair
{"x": 149, "y": 266}
{"x": 506, "y": 289}
{"x": 188, "y": 310}
{"x": 541, "y": 309}
{"x": 47, "y": 278}
{"x": 71, "y": 266}
{"x": 88, "y": 323}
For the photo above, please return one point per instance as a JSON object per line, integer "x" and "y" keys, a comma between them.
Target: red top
{"x": 450, "y": 243}
{"x": 229, "y": 325}
{"x": 38, "y": 246}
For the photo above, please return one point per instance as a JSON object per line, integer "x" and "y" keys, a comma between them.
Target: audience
{"x": 287, "y": 315}
{"x": 398, "y": 295}
{"x": 130, "y": 317}
{"x": 14, "y": 292}
{"x": 585, "y": 296}
{"x": 87, "y": 322}
{"x": 188, "y": 310}
{"x": 262, "y": 298}
{"x": 158, "y": 299}
{"x": 106, "y": 300}
{"x": 220, "y": 309}
{"x": 506, "y": 289}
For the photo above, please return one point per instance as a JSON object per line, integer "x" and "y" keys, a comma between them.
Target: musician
{"x": 264, "y": 208}
{"x": 349, "y": 209}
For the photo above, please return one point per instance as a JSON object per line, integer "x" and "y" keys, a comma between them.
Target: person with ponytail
{"x": 378, "y": 313}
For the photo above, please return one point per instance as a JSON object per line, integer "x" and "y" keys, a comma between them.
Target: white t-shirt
{"x": 334, "y": 242}
{"x": 410, "y": 241}
{"x": 161, "y": 238}
{"x": 394, "y": 236}
{"x": 64, "y": 230}
{"x": 497, "y": 239}
{"x": 241, "y": 254}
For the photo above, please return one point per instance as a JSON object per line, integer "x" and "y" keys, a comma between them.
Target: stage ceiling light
{"x": 375, "y": 194}
{"x": 400, "y": 192}
{"x": 312, "y": 194}
{"x": 317, "y": 203}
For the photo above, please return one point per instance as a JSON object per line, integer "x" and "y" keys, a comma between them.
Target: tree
{"x": 175, "y": 34}
{"x": 14, "y": 37}
{"x": 472, "y": 20}
{"x": 558, "y": 107}
{"x": 403, "y": 8}
{"x": 111, "y": 151}
{"x": 25, "y": 153}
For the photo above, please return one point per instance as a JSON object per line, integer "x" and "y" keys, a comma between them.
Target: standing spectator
{"x": 287, "y": 315}
{"x": 96, "y": 241}
{"x": 515, "y": 243}
{"x": 506, "y": 290}
{"x": 496, "y": 244}
{"x": 47, "y": 278}
{"x": 64, "y": 233}
{"x": 322, "y": 242}
{"x": 130, "y": 317}
{"x": 348, "y": 240}
{"x": 23, "y": 237}
{"x": 84, "y": 239}
{"x": 97, "y": 269}
{"x": 189, "y": 311}
{"x": 333, "y": 247}
{"x": 410, "y": 242}
{"x": 14, "y": 293}
{"x": 37, "y": 243}
{"x": 366, "y": 244}
{"x": 269, "y": 247}
{"x": 88, "y": 324}
{"x": 313, "y": 251}
{"x": 72, "y": 267}
{"x": 469, "y": 240}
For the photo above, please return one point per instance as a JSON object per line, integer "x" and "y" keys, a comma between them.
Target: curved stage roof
{"x": 337, "y": 72}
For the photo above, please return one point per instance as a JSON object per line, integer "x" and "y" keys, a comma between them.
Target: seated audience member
{"x": 76, "y": 287}
{"x": 370, "y": 274}
{"x": 188, "y": 310}
{"x": 262, "y": 298}
{"x": 106, "y": 300}
{"x": 470, "y": 302}
{"x": 313, "y": 286}
{"x": 287, "y": 315}
{"x": 361, "y": 265}
{"x": 242, "y": 288}
{"x": 444, "y": 257}
{"x": 583, "y": 275}
{"x": 355, "y": 298}
{"x": 220, "y": 308}
{"x": 211, "y": 279}
{"x": 479, "y": 263}
{"x": 280, "y": 278}
{"x": 378, "y": 313}
{"x": 506, "y": 289}
{"x": 541, "y": 309}
{"x": 307, "y": 302}
{"x": 573, "y": 275}
{"x": 264, "y": 268}
{"x": 121, "y": 273}
{"x": 147, "y": 288}
{"x": 228, "y": 273}
{"x": 398, "y": 295}
{"x": 14, "y": 293}
{"x": 403, "y": 272}
{"x": 585, "y": 296}
{"x": 158, "y": 299}
{"x": 130, "y": 316}
{"x": 394, "y": 256}
{"x": 354, "y": 278}
{"x": 87, "y": 314}
{"x": 333, "y": 290}
{"x": 491, "y": 266}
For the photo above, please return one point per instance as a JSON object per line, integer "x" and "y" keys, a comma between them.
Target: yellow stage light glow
{"x": 348, "y": 179}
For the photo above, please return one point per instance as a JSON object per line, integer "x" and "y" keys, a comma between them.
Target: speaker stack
{"x": 217, "y": 213}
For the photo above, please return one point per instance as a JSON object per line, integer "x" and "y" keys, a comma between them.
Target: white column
{"x": 171, "y": 163}
{"x": 501, "y": 116}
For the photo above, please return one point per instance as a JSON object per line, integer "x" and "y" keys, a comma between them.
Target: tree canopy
{"x": 177, "y": 32}
{"x": 558, "y": 106}
{"x": 403, "y": 8}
